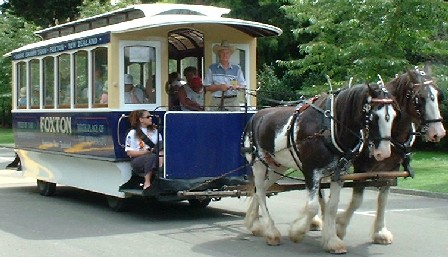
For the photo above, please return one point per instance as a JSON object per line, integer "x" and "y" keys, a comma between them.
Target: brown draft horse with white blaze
{"x": 320, "y": 140}
{"x": 418, "y": 98}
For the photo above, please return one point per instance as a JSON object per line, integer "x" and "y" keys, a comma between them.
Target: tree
{"x": 365, "y": 38}
{"x": 17, "y": 32}
{"x": 44, "y": 13}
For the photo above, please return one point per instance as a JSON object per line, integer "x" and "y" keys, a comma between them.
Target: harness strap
{"x": 405, "y": 149}
{"x": 290, "y": 141}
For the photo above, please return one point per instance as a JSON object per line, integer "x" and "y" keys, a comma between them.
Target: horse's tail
{"x": 250, "y": 187}
{"x": 249, "y": 150}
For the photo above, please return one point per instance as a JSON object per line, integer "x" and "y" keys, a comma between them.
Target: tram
{"x": 70, "y": 113}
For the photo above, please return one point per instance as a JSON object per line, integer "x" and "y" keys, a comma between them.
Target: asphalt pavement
{"x": 78, "y": 223}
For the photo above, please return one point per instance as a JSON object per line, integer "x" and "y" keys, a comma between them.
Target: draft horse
{"x": 418, "y": 98}
{"x": 321, "y": 139}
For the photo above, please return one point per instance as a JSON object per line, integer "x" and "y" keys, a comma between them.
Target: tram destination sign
{"x": 99, "y": 39}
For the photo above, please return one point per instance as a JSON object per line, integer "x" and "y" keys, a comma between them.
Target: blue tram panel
{"x": 201, "y": 144}
{"x": 89, "y": 134}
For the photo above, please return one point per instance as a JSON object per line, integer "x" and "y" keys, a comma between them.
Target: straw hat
{"x": 224, "y": 45}
{"x": 128, "y": 79}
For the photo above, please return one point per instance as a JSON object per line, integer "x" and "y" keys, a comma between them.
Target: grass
{"x": 430, "y": 168}
{"x": 430, "y": 172}
{"x": 6, "y": 136}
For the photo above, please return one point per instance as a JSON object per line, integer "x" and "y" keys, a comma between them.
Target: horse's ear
{"x": 371, "y": 91}
{"x": 414, "y": 76}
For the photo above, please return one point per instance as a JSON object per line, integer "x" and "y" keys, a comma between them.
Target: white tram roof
{"x": 144, "y": 16}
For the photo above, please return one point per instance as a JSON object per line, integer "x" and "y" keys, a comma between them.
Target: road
{"x": 79, "y": 223}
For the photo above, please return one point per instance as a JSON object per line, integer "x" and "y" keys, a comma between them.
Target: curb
{"x": 419, "y": 193}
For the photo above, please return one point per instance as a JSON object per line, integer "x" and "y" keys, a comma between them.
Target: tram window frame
{"x": 49, "y": 69}
{"x": 21, "y": 82}
{"x": 81, "y": 78}
{"x": 141, "y": 75}
{"x": 34, "y": 85}
{"x": 99, "y": 60}
{"x": 64, "y": 87}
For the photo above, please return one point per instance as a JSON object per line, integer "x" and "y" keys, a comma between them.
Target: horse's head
{"x": 426, "y": 97}
{"x": 380, "y": 113}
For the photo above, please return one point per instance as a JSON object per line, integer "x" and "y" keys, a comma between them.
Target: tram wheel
{"x": 117, "y": 204}
{"x": 197, "y": 203}
{"x": 46, "y": 188}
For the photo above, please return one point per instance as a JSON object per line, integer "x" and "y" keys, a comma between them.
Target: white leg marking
{"x": 301, "y": 225}
{"x": 330, "y": 241}
{"x": 271, "y": 233}
{"x": 381, "y": 235}
{"x": 343, "y": 218}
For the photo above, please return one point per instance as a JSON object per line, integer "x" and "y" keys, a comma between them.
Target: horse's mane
{"x": 400, "y": 86}
{"x": 348, "y": 111}
{"x": 349, "y": 102}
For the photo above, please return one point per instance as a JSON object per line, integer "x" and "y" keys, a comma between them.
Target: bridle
{"x": 376, "y": 140}
{"x": 415, "y": 97}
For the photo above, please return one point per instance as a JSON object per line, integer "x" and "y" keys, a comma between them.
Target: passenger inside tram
{"x": 172, "y": 87}
{"x": 132, "y": 94}
{"x": 191, "y": 95}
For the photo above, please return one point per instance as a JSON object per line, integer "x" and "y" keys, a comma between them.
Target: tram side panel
{"x": 204, "y": 144}
{"x": 77, "y": 149}
{"x": 89, "y": 134}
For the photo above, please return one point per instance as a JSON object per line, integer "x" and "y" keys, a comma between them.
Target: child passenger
{"x": 143, "y": 153}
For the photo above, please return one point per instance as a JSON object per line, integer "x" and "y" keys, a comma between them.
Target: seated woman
{"x": 142, "y": 144}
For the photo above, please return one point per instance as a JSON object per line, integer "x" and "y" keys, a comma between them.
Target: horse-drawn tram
{"x": 70, "y": 109}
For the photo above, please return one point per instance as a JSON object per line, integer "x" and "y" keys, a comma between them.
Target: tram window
{"x": 48, "y": 82}
{"x": 140, "y": 62}
{"x": 117, "y": 19}
{"x": 64, "y": 81}
{"x": 35, "y": 83}
{"x": 81, "y": 75}
{"x": 82, "y": 27}
{"x": 99, "y": 23}
{"x": 21, "y": 84}
{"x": 100, "y": 87}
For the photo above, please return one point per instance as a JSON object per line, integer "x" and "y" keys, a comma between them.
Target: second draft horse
{"x": 321, "y": 139}
{"x": 418, "y": 97}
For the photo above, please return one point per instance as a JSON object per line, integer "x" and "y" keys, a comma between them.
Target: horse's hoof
{"x": 340, "y": 231}
{"x": 274, "y": 240}
{"x": 315, "y": 227}
{"x": 383, "y": 237}
{"x": 339, "y": 251}
{"x": 335, "y": 246}
{"x": 257, "y": 232}
{"x": 257, "y": 229}
{"x": 296, "y": 238}
{"x": 316, "y": 224}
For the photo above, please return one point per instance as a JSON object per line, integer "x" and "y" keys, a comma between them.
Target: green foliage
{"x": 365, "y": 38}
{"x": 17, "y": 32}
{"x": 45, "y": 13}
